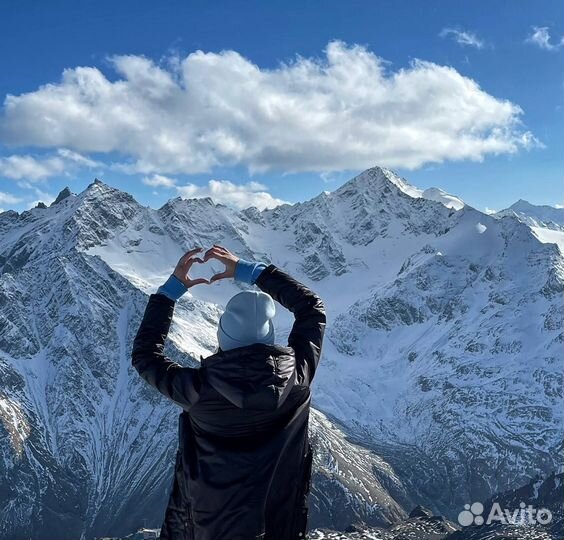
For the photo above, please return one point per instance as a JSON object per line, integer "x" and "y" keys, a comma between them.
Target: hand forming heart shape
{"x": 187, "y": 261}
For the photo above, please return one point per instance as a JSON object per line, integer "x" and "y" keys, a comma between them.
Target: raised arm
{"x": 306, "y": 337}
{"x": 178, "y": 383}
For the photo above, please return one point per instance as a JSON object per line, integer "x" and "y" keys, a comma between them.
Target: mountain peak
{"x": 97, "y": 183}
{"x": 376, "y": 177}
{"x": 190, "y": 202}
{"x": 98, "y": 190}
{"x": 520, "y": 204}
{"x": 63, "y": 194}
{"x": 536, "y": 215}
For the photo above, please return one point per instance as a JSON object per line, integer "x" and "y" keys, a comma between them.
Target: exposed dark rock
{"x": 63, "y": 194}
{"x": 420, "y": 512}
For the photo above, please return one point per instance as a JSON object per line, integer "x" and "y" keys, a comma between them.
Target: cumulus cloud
{"x": 540, "y": 36}
{"x": 328, "y": 177}
{"x": 29, "y": 167}
{"x": 79, "y": 159}
{"x": 9, "y": 198}
{"x": 36, "y": 168}
{"x": 221, "y": 191}
{"x": 159, "y": 180}
{"x": 41, "y": 196}
{"x": 463, "y": 37}
{"x": 343, "y": 111}
{"x": 230, "y": 194}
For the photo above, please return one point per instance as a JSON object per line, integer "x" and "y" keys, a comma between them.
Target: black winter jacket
{"x": 243, "y": 467}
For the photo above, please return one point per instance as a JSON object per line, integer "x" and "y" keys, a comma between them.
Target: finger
{"x": 194, "y": 251}
{"x": 222, "y": 275}
{"x": 213, "y": 253}
{"x": 190, "y": 254}
{"x": 189, "y": 262}
{"x": 217, "y": 247}
{"x": 197, "y": 281}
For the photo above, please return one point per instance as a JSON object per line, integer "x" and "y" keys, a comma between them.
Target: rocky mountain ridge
{"x": 440, "y": 381}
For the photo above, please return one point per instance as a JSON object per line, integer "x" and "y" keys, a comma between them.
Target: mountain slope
{"x": 534, "y": 215}
{"x": 87, "y": 446}
{"x": 440, "y": 374}
{"x": 546, "y": 222}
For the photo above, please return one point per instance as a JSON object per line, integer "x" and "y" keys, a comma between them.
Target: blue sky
{"x": 285, "y": 99}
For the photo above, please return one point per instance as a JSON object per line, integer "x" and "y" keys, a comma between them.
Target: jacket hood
{"x": 258, "y": 376}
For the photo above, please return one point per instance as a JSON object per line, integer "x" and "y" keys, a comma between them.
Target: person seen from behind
{"x": 243, "y": 467}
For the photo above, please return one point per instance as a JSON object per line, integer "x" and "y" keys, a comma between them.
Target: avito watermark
{"x": 524, "y": 515}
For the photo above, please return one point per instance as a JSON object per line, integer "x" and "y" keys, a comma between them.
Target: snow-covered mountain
{"x": 440, "y": 381}
{"x": 546, "y": 216}
{"x": 546, "y": 222}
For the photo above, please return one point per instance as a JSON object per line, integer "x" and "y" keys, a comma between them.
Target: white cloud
{"x": 29, "y": 167}
{"x": 159, "y": 180}
{"x": 489, "y": 211}
{"x": 42, "y": 196}
{"x": 328, "y": 177}
{"x": 462, "y": 37}
{"x": 36, "y": 168}
{"x": 38, "y": 194}
{"x": 346, "y": 111}
{"x": 8, "y": 198}
{"x": 540, "y": 36}
{"x": 221, "y": 191}
{"x": 79, "y": 159}
{"x": 230, "y": 194}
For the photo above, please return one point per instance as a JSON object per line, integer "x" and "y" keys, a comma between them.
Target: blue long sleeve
{"x": 173, "y": 288}
{"x": 248, "y": 272}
